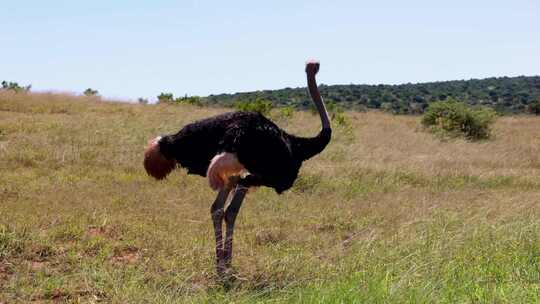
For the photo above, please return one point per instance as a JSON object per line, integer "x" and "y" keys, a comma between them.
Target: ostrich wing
{"x": 264, "y": 151}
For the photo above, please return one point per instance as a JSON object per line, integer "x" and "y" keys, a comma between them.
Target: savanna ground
{"x": 386, "y": 214}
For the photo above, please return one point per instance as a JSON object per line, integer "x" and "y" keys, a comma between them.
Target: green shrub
{"x": 453, "y": 118}
{"x": 534, "y": 107}
{"x": 287, "y": 111}
{"x": 340, "y": 119}
{"x": 90, "y": 92}
{"x": 165, "y": 97}
{"x": 169, "y": 97}
{"x": 260, "y": 105}
{"x": 337, "y": 114}
{"x": 192, "y": 100}
{"x": 14, "y": 86}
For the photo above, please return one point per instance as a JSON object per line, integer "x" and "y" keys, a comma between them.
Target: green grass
{"x": 386, "y": 214}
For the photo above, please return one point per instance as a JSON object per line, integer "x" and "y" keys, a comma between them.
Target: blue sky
{"x": 130, "y": 49}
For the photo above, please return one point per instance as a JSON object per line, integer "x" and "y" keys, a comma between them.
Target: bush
{"x": 90, "y": 92}
{"x": 165, "y": 97}
{"x": 340, "y": 119}
{"x": 534, "y": 107}
{"x": 169, "y": 97}
{"x": 287, "y": 111}
{"x": 14, "y": 86}
{"x": 192, "y": 100}
{"x": 453, "y": 118}
{"x": 260, "y": 105}
{"x": 142, "y": 100}
{"x": 337, "y": 114}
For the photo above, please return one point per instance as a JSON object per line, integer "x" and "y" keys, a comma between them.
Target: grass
{"x": 386, "y": 214}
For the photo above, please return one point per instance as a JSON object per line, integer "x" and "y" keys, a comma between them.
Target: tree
{"x": 142, "y": 100}
{"x": 534, "y": 107}
{"x": 259, "y": 105}
{"x": 90, "y": 92}
{"x": 14, "y": 86}
{"x": 165, "y": 97}
{"x": 192, "y": 100}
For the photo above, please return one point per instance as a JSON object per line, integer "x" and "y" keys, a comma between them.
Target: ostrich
{"x": 236, "y": 151}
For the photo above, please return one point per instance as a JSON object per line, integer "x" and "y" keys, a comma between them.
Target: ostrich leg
{"x": 217, "y": 218}
{"x": 230, "y": 217}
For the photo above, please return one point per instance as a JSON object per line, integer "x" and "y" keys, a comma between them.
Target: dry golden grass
{"x": 386, "y": 213}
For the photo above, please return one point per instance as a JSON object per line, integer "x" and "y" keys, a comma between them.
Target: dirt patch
{"x": 96, "y": 231}
{"x": 3, "y": 268}
{"x": 41, "y": 253}
{"x": 5, "y": 272}
{"x": 363, "y": 235}
{"x": 327, "y": 227}
{"x": 266, "y": 237}
{"x": 60, "y": 295}
{"x": 56, "y": 295}
{"x": 127, "y": 255}
{"x": 38, "y": 265}
{"x": 110, "y": 232}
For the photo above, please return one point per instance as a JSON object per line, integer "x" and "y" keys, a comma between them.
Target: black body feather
{"x": 272, "y": 156}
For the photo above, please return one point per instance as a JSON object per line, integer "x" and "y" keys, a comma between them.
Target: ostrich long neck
{"x": 317, "y": 99}
{"x": 305, "y": 148}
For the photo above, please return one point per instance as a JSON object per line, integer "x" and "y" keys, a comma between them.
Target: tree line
{"x": 504, "y": 94}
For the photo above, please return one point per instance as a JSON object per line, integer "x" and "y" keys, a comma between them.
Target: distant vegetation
{"x": 90, "y": 92}
{"x": 169, "y": 97}
{"x": 14, "y": 86}
{"x": 142, "y": 100}
{"x": 259, "y": 105}
{"x": 505, "y": 95}
{"x": 264, "y": 107}
{"x": 534, "y": 108}
{"x": 451, "y": 118}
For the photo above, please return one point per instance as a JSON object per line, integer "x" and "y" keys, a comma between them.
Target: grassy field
{"x": 386, "y": 214}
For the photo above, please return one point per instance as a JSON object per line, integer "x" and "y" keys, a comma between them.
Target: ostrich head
{"x": 155, "y": 163}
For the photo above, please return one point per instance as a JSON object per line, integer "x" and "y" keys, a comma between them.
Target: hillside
{"x": 505, "y": 94}
{"x": 386, "y": 214}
